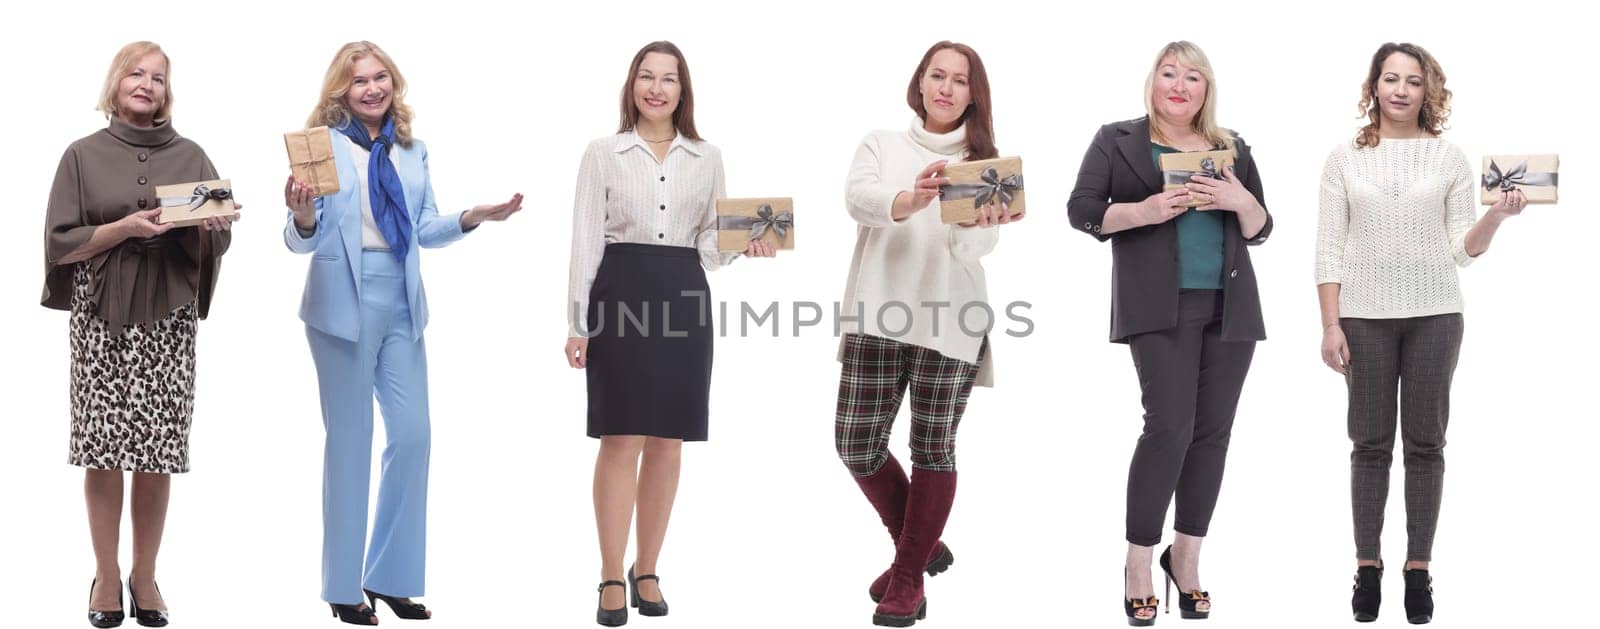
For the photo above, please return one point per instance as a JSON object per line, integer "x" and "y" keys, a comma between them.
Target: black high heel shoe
{"x": 1368, "y": 593}
{"x": 401, "y": 607}
{"x": 1132, "y": 606}
{"x": 1190, "y": 599}
{"x": 1419, "y": 596}
{"x": 145, "y": 617}
{"x": 610, "y": 617}
{"x": 646, "y": 607}
{"x": 105, "y": 619}
{"x": 354, "y": 614}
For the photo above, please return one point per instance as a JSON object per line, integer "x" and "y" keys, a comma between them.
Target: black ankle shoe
{"x": 1132, "y": 606}
{"x": 1419, "y": 596}
{"x": 1368, "y": 593}
{"x": 611, "y": 617}
{"x": 145, "y": 617}
{"x": 354, "y": 614}
{"x": 401, "y": 607}
{"x": 106, "y": 619}
{"x": 1190, "y": 599}
{"x": 646, "y": 607}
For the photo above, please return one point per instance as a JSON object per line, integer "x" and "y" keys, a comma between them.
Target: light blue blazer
{"x": 332, "y": 299}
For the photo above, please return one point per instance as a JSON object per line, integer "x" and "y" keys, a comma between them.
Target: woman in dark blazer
{"x": 1183, "y": 297}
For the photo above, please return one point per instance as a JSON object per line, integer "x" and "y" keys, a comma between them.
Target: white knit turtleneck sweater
{"x": 1393, "y": 227}
{"x": 916, "y": 261}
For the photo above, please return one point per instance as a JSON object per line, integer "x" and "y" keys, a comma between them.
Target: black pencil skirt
{"x": 649, "y": 366}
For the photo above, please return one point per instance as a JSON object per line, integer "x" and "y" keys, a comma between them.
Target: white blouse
{"x": 625, "y": 195}
{"x": 1392, "y": 227}
{"x": 371, "y": 236}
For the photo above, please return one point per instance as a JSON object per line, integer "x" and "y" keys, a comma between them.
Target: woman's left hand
{"x": 1220, "y": 194}
{"x": 499, "y": 212}
{"x": 995, "y": 213}
{"x": 221, "y": 223}
{"x": 760, "y": 248}
{"x": 1511, "y": 203}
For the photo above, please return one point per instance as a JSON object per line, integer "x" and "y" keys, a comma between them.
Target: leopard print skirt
{"x": 133, "y": 393}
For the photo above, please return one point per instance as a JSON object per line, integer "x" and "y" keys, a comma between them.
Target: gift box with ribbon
{"x": 311, "y": 159}
{"x": 740, "y": 221}
{"x": 979, "y": 183}
{"x": 1177, "y": 168}
{"x": 1534, "y": 175}
{"x": 186, "y": 204}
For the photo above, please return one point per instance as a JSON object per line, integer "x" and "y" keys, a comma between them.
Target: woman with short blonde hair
{"x": 136, "y": 288}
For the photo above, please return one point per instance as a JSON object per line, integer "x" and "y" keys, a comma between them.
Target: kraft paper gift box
{"x": 740, "y": 221}
{"x": 979, "y": 183}
{"x": 1534, "y": 175}
{"x": 1177, "y": 168}
{"x": 185, "y": 204}
{"x": 311, "y": 159}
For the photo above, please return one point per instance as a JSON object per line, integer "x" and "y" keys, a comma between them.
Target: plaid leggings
{"x": 874, "y": 379}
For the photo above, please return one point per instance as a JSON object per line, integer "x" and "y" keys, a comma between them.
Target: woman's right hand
{"x": 1161, "y": 207}
{"x": 142, "y": 224}
{"x": 925, "y": 188}
{"x": 577, "y": 352}
{"x": 1335, "y": 350}
{"x": 299, "y": 197}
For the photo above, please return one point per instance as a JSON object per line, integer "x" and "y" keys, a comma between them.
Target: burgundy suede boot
{"x": 886, "y": 490}
{"x": 927, "y": 507}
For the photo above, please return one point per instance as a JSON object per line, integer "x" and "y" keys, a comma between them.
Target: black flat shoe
{"x": 354, "y": 614}
{"x": 1419, "y": 597}
{"x": 610, "y": 617}
{"x": 145, "y": 617}
{"x": 646, "y": 607}
{"x": 106, "y": 619}
{"x": 401, "y": 607}
{"x": 1368, "y": 593}
{"x": 1191, "y": 599}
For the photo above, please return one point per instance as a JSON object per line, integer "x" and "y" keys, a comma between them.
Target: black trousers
{"x": 1190, "y": 379}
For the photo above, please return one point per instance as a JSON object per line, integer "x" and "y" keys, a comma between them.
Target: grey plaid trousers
{"x": 1412, "y": 359}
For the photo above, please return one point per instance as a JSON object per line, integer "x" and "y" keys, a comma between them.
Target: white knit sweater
{"x": 917, "y": 261}
{"x": 1393, "y": 227}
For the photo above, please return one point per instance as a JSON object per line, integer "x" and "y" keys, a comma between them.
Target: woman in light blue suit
{"x": 365, "y": 310}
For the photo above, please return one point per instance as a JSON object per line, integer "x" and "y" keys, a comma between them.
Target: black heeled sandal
{"x": 1132, "y": 606}
{"x": 359, "y": 614}
{"x": 145, "y": 617}
{"x": 402, "y": 608}
{"x": 1419, "y": 597}
{"x": 610, "y": 617}
{"x": 1190, "y": 600}
{"x": 106, "y": 619}
{"x": 1367, "y": 593}
{"x": 646, "y": 607}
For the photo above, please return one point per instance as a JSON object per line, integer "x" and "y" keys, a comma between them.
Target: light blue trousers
{"x": 389, "y": 363}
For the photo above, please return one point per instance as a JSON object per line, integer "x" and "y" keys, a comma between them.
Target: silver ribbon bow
{"x": 201, "y": 195}
{"x": 1517, "y": 176}
{"x": 1208, "y": 168}
{"x": 983, "y": 193}
{"x": 758, "y": 225}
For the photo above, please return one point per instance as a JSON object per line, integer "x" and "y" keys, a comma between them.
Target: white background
{"x": 769, "y": 530}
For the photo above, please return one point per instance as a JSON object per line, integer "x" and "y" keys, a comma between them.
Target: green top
{"x": 1200, "y": 240}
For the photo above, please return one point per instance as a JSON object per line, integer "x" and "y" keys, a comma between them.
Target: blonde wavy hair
{"x": 121, "y": 65}
{"x": 1433, "y": 117}
{"x": 331, "y": 110}
{"x": 1205, "y": 122}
